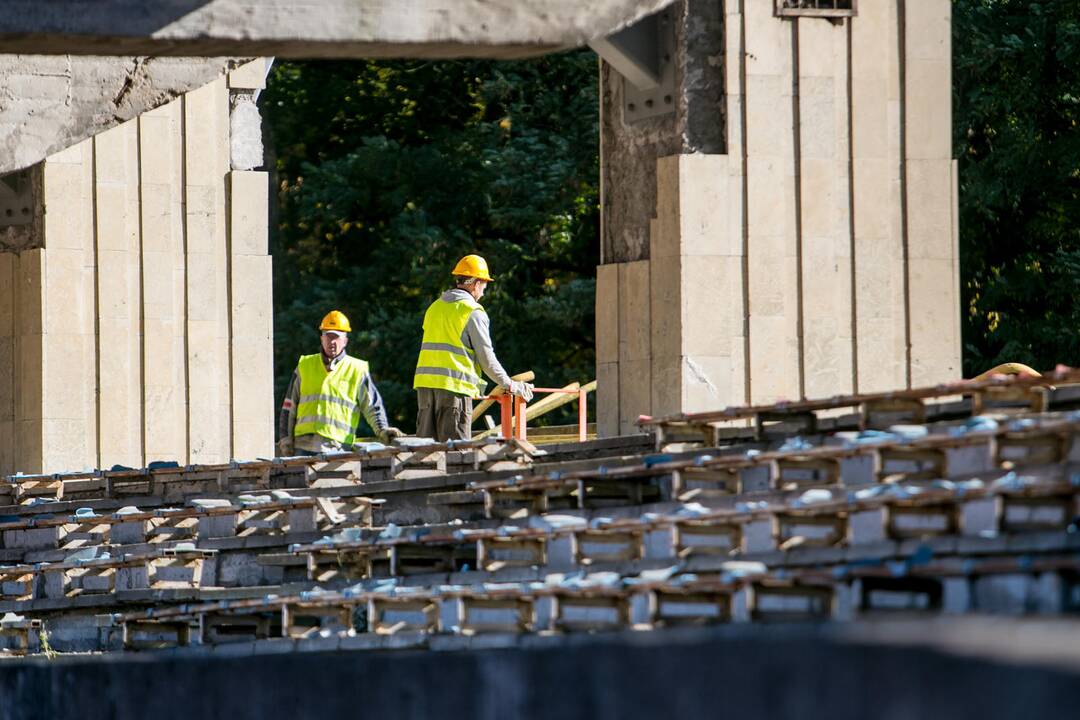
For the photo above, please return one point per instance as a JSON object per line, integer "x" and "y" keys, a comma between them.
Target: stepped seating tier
{"x": 424, "y": 540}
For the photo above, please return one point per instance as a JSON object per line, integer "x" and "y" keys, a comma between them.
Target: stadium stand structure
{"x": 955, "y": 499}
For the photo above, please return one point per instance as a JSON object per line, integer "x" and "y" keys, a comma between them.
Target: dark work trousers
{"x": 443, "y": 415}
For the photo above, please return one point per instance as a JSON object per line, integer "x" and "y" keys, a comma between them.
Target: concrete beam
{"x": 48, "y": 104}
{"x": 313, "y": 28}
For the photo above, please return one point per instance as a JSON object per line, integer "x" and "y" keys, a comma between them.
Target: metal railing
{"x": 513, "y": 411}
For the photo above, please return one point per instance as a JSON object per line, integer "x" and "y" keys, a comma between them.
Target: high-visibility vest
{"x": 327, "y": 404}
{"x": 445, "y": 363}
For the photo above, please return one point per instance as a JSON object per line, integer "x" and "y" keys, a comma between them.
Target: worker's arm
{"x": 371, "y": 405}
{"x": 478, "y": 333}
{"x": 287, "y": 417}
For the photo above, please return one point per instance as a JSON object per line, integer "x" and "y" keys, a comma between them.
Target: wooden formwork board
{"x": 496, "y": 553}
{"x": 1029, "y": 394}
{"x": 790, "y": 602}
{"x": 387, "y": 616}
{"x": 496, "y": 614}
{"x": 674, "y": 607}
{"x": 592, "y": 612}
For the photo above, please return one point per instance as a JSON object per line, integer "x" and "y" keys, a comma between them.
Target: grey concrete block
{"x": 93, "y": 583}
{"x": 969, "y": 459}
{"x": 32, "y": 538}
{"x": 560, "y": 552}
{"x": 979, "y": 517}
{"x": 660, "y": 544}
{"x": 74, "y": 632}
{"x": 871, "y": 551}
{"x": 867, "y": 526}
{"x": 11, "y": 588}
{"x": 216, "y": 526}
{"x": 542, "y": 613}
{"x": 170, "y": 572}
{"x": 133, "y": 577}
{"x": 956, "y": 595}
{"x": 757, "y": 536}
{"x": 239, "y": 570}
{"x": 1074, "y": 449}
{"x": 756, "y": 479}
{"x": 55, "y": 584}
{"x": 209, "y": 572}
{"x": 740, "y": 605}
{"x": 846, "y": 601}
{"x": 1005, "y": 594}
{"x": 857, "y": 470}
{"x": 128, "y": 533}
{"x": 302, "y": 520}
{"x": 1050, "y": 594}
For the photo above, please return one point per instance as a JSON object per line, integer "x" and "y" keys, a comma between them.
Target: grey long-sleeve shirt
{"x": 368, "y": 400}
{"x": 477, "y": 337}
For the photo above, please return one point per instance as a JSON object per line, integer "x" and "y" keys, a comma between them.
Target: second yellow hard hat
{"x": 472, "y": 266}
{"x": 336, "y": 321}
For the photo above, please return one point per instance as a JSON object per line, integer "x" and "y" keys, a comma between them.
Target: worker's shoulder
{"x": 358, "y": 363}
{"x": 459, "y": 298}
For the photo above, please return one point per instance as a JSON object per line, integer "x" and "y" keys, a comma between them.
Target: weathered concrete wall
{"x": 48, "y": 104}
{"x": 149, "y": 294}
{"x": 996, "y": 671}
{"x": 814, "y": 251}
{"x": 696, "y": 125}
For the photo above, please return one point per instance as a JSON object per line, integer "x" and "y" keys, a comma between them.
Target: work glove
{"x": 523, "y": 390}
{"x": 285, "y": 447}
{"x": 388, "y": 434}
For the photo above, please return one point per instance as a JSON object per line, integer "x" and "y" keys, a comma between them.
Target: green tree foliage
{"x": 388, "y": 172}
{"x": 1017, "y": 134}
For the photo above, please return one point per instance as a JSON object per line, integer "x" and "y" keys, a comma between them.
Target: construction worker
{"x": 455, "y": 350}
{"x": 328, "y": 394}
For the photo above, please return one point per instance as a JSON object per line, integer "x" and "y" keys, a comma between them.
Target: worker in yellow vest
{"x": 455, "y": 350}
{"x": 329, "y": 393}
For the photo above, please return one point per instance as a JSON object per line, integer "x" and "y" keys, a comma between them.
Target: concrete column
{"x": 64, "y": 382}
{"x": 251, "y": 306}
{"x": 252, "y": 316}
{"x": 8, "y": 273}
{"x": 934, "y": 270}
{"x": 635, "y": 344}
{"x": 164, "y": 395}
{"x": 206, "y": 163}
{"x": 823, "y": 195}
{"x": 29, "y": 360}
{"x": 607, "y": 349}
{"x": 772, "y": 248}
{"x": 696, "y": 286}
{"x": 807, "y": 249}
{"x": 119, "y": 293}
{"x": 878, "y": 262}
{"x": 140, "y": 327}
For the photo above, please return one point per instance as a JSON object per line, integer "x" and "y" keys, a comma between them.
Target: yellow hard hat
{"x": 335, "y": 320}
{"x": 472, "y": 266}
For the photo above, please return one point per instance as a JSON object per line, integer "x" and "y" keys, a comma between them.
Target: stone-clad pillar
{"x": 794, "y": 212}
{"x": 137, "y": 326}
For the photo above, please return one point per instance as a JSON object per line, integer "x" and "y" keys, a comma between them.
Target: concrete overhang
{"x": 313, "y": 28}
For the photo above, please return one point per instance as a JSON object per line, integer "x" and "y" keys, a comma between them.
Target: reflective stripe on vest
{"x": 445, "y": 363}
{"x": 327, "y": 404}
